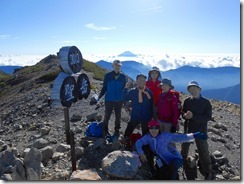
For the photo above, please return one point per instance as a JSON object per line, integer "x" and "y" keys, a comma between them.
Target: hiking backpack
{"x": 95, "y": 129}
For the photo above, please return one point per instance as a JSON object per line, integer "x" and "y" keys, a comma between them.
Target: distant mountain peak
{"x": 127, "y": 54}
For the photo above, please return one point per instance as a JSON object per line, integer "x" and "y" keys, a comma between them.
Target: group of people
{"x": 155, "y": 108}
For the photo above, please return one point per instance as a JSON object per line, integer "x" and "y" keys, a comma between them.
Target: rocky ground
{"x": 28, "y": 121}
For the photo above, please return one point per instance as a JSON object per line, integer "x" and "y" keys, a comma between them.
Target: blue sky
{"x": 114, "y": 26}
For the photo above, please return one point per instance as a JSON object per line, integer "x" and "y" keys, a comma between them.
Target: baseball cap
{"x": 117, "y": 62}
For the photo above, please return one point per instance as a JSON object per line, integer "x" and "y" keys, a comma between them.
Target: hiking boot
{"x": 126, "y": 143}
{"x": 208, "y": 176}
{"x": 116, "y": 133}
{"x": 106, "y": 134}
{"x": 112, "y": 138}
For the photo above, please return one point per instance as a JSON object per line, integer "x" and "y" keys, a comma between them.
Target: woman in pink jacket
{"x": 168, "y": 112}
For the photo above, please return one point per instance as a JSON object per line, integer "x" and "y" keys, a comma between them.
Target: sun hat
{"x": 193, "y": 83}
{"x": 153, "y": 123}
{"x": 167, "y": 82}
{"x": 154, "y": 68}
{"x": 117, "y": 62}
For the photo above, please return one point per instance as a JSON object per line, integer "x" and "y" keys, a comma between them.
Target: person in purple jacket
{"x": 168, "y": 158}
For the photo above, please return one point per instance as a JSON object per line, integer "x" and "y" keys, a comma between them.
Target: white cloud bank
{"x": 20, "y": 60}
{"x": 164, "y": 62}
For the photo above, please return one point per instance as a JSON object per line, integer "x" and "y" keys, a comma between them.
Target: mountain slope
{"x": 208, "y": 78}
{"x": 9, "y": 69}
{"x": 231, "y": 94}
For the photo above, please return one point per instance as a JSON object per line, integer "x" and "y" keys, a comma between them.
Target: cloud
{"x": 20, "y": 60}
{"x": 156, "y": 8}
{"x": 167, "y": 62}
{"x": 100, "y": 38}
{"x": 164, "y": 61}
{"x": 6, "y": 36}
{"x": 2, "y": 37}
{"x": 69, "y": 41}
{"x": 99, "y": 28}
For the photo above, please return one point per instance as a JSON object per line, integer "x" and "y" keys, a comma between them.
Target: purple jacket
{"x": 160, "y": 144}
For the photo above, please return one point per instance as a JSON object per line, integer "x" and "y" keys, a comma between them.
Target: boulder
{"x": 120, "y": 164}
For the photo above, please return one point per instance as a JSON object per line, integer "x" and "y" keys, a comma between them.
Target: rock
{"x": 75, "y": 118}
{"x": 6, "y": 177}
{"x": 90, "y": 174}
{"x": 98, "y": 143}
{"x": 46, "y": 153}
{"x": 191, "y": 162}
{"x": 45, "y": 130}
{"x": 61, "y": 175}
{"x": 32, "y": 162}
{"x": 79, "y": 151}
{"x": 40, "y": 143}
{"x": 57, "y": 155}
{"x": 217, "y": 153}
{"x": 120, "y": 164}
{"x": 63, "y": 148}
{"x": 7, "y": 159}
{"x": 25, "y": 152}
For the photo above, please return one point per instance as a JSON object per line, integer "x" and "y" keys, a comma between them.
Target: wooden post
{"x": 72, "y": 148}
{"x": 67, "y": 126}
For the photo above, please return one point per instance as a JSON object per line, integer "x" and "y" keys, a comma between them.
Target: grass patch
{"x": 98, "y": 72}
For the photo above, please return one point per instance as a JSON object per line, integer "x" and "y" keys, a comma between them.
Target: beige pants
{"x": 165, "y": 127}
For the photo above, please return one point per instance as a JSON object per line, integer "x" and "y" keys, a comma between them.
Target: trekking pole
{"x": 67, "y": 126}
{"x": 72, "y": 149}
{"x": 186, "y": 127}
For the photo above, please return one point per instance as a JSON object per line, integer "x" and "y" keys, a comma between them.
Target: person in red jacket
{"x": 168, "y": 113}
{"x": 153, "y": 80}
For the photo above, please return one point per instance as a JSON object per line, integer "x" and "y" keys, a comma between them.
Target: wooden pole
{"x": 67, "y": 125}
{"x": 72, "y": 148}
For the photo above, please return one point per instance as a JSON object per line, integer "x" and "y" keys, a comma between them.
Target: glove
{"x": 200, "y": 135}
{"x": 173, "y": 129}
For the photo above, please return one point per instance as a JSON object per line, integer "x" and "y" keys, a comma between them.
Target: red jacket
{"x": 153, "y": 86}
{"x": 168, "y": 108}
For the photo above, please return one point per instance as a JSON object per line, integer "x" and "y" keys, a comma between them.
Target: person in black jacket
{"x": 113, "y": 85}
{"x": 197, "y": 111}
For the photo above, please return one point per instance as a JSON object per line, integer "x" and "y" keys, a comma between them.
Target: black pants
{"x": 109, "y": 107}
{"x": 169, "y": 171}
{"x": 133, "y": 124}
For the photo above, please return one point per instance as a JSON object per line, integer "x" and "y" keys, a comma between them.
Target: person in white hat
{"x": 197, "y": 111}
{"x": 153, "y": 80}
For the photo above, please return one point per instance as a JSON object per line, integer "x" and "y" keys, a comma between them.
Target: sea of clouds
{"x": 164, "y": 62}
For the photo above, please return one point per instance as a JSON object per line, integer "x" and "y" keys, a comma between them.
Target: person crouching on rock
{"x": 168, "y": 158}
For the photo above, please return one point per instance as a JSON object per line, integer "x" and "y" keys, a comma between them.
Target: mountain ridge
{"x": 209, "y": 78}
